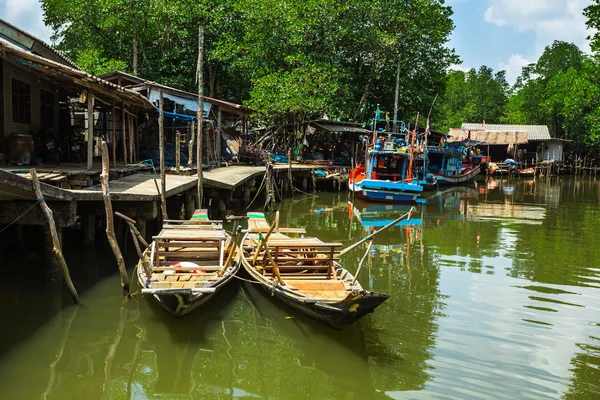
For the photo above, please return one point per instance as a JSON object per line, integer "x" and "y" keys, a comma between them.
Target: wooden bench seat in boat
{"x": 324, "y": 289}
{"x": 258, "y": 224}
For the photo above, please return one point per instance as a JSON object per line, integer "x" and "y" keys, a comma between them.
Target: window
{"x": 47, "y": 108}
{"x": 21, "y": 102}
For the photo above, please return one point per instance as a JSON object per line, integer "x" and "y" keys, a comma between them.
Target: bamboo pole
{"x": 114, "y": 135}
{"x": 110, "y": 223}
{"x": 161, "y": 140}
{"x": 178, "y": 151}
{"x": 232, "y": 243}
{"x": 90, "y": 144}
{"x": 200, "y": 114}
{"x": 56, "y": 247}
{"x": 412, "y": 151}
{"x": 132, "y": 223}
{"x": 123, "y": 135}
{"x": 372, "y": 235}
{"x": 191, "y": 145}
{"x": 362, "y": 261}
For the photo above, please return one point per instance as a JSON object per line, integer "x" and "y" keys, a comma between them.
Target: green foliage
{"x": 562, "y": 91}
{"x": 592, "y": 12}
{"x": 473, "y": 96}
{"x": 309, "y": 57}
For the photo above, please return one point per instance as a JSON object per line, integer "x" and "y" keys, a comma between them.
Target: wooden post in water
{"x": 56, "y": 247}
{"x": 110, "y": 223}
{"x": 123, "y": 135}
{"x": 200, "y": 114}
{"x": 161, "y": 140}
{"x": 90, "y": 143}
{"x": 114, "y": 135}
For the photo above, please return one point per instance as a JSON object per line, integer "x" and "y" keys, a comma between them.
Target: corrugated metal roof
{"x": 28, "y": 42}
{"x": 534, "y": 132}
{"x": 27, "y": 59}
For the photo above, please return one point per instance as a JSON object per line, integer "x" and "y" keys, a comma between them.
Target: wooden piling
{"x": 200, "y": 114}
{"x": 114, "y": 134}
{"x": 131, "y": 140}
{"x": 177, "y": 151}
{"x": 161, "y": 139}
{"x": 218, "y": 138}
{"x": 56, "y": 246}
{"x": 191, "y": 145}
{"x": 90, "y": 143}
{"x": 110, "y": 223}
{"x": 123, "y": 134}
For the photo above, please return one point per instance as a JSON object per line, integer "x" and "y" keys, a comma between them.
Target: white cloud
{"x": 550, "y": 20}
{"x": 26, "y": 15}
{"x": 513, "y": 67}
{"x": 459, "y": 67}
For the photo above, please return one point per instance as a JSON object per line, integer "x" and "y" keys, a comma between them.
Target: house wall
{"x": 552, "y": 150}
{"x": 11, "y": 71}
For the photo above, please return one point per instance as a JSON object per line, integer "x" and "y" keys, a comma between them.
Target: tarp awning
{"x": 488, "y": 137}
{"x": 338, "y": 127}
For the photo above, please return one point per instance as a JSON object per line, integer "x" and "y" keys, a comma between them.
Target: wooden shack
{"x": 47, "y": 103}
{"x": 225, "y": 123}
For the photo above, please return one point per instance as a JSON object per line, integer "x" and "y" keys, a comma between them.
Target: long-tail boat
{"x": 304, "y": 273}
{"x": 187, "y": 263}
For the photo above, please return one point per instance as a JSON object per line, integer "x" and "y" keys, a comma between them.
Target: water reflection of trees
{"x": 400, "y": 334}
{"x": 585, "y": 367}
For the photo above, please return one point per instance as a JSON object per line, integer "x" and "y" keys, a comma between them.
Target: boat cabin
{"x": 452, "y": 158}
{"x": 389, "y": 160}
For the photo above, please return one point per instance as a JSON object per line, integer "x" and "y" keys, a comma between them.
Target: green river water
{"x": 495, "y": 294}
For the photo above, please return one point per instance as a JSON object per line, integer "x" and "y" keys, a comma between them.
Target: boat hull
{"x": 387, "y": 197}
{"x": 382, "y": 191}
{"x": 468, "y": 177}
{"x": 181, "y": 302}
{"x": 337, "y": 315}
{"x": 333, "y": 313}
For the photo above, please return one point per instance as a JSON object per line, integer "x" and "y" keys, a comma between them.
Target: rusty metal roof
{"x": 69, "y": 75}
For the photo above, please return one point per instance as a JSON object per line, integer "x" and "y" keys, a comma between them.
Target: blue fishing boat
{"x": 454, "y": 163}
{"x": 389, "y": 173}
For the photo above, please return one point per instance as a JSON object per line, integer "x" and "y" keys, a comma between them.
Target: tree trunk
{"x": 110, "y": 223}
{"x": 212, "y": 77}
{"x": 365, "y": 96}
{"x": 56, "y": 246}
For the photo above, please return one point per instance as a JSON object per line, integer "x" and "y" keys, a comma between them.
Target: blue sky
{"x": 509, "y": 34}
{"x": 502, "y": 34}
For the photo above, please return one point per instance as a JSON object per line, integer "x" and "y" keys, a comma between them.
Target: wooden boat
{"x": 304, "y": 273}
{"x": 455, "y": 163}
{"x": 525, "y": 173}
{"x": 187, "y": 263}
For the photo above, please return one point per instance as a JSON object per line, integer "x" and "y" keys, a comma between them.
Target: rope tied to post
{"x": 38, "y": 201}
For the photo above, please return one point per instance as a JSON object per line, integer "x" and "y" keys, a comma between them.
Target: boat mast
{"x": 395, "y": 123}
{"x": 412, "y": 148}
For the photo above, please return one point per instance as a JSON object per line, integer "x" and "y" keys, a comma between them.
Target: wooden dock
{"x": 229, "y": 178}
{"x": 73, "y": 192}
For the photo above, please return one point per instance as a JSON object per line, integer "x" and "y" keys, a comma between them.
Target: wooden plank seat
{"x": 300, "y": 243}
{"x": 190, "y": 234}
{"x": 257, "y": 223}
